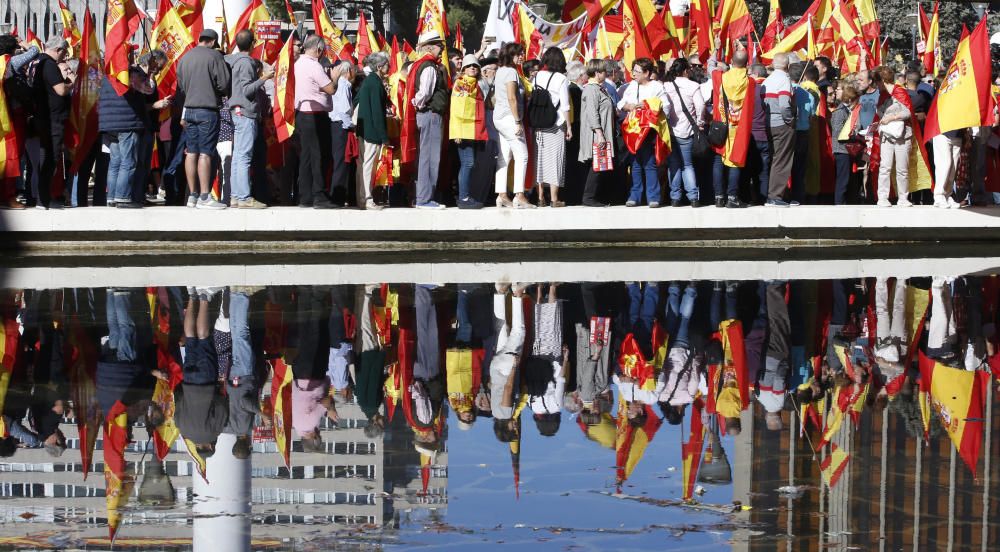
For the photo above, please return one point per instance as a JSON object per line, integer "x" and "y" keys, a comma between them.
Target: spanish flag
{"x": 281, "y": 402}
{"x": 81, "y": 356}
{"x": 122, "y": 21}
{"x": 958, "y": 397}
{"x": 166, "y": 433}
{"x": 700, "y": 31}
{"x": 692, "y": 450}
{"x": 610, "y": 33}
{"x": 646, "y": 118}
{"x": 733, "y": 20}
{"x": 631, "y": 441}
{"x": 367, "y": 43}
{"x": 70, "y": 31}
{"x": 595, "y": 10}
{"x": 833, "y": 465}
{"x": 173, "y": 38}
{"x": 191, "y": 14}
{"x": 9, "y": 337}
{"x": 264, "y": 50}
{"x": 775, "y": 29}
{"x": 737, "y": 86}
{"x": 634, "y": 365}
{"x": 337, "y": 45}
{"x": 32, "y": 40}
{"x": 200, "y": 465}
{"x": 525, "y": 33}
{"x": 457, "y": 40}
{"x": 964, "y": 99}
{"x": 81, "y": 131}
{"x": 10, "y": 147}
{"x": 868, "y": 18}
{"x": 118, "y": 482}
{"x": 637, "y": 16}
{"x": 467, "y": 116}
{"x": 283, "y": 111}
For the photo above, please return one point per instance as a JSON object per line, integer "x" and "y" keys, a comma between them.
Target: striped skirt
{"x": 550, "y": 155}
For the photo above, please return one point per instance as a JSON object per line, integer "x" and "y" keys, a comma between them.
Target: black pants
{"x": 593, "y": 185}
{"x": 314, "y": 138}
{"x": 50, "y": 134}
{"x": 843, "y": 164}
{"x": 338, "y": 180}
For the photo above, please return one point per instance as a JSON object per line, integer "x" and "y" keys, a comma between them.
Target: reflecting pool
{"x": 854, "y": 413}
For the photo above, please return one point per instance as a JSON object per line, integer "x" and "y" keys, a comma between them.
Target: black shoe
{"x": 323, "y": 205}
{"x": 594, "y": 204}
{"x": 306, "y": 204}
{"x": 735, "y": 203}
{"x": 675, "y": 203}
{"x": 720, "y": 201}
{"x": 469, "y": 204}
{"x": 129, "y": 205}
{"x": 695, "y": 204}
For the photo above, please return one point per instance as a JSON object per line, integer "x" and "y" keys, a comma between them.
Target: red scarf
{"x": 408, "y": 134}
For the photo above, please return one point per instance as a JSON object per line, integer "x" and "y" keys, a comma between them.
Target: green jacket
{"x": 372, "y": 103}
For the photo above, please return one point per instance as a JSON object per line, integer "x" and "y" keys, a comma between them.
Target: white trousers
{"x": 512, "y": 148}
{"x": 946, "y": 151}
{"x": 369, "y": 154}
{"x": 898, "y": 155}
{"x": 890, "y": 324}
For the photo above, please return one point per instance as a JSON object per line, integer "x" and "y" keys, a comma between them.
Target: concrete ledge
{"x": 453, "y": 227}
{"x": 48, "y": 277}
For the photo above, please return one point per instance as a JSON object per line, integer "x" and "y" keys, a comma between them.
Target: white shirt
{"x": 343, "y": 104}
{"x": 552, "y": 401}
{"x": 558, "y": 86}
{"x": 690, "y": 95}
{"x": 635, "y": 94}
{"x": 630, "y": 392}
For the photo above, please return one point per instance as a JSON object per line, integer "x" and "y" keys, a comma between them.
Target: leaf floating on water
{"x": 27, "y": 515}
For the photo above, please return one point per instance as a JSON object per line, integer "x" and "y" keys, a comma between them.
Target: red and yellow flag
{"x": 834, "y": 465}
{"x": 70, "y": 31}
{"x": 634, "y": 364}
{"x": 367, "y": 43}
{"x": 775, "y": 29}
{"x": 700, "y": 32}
{"x": 525, "y": 33}
{"x": 691, "y": 451}
{"x": 200, "y": 464}
{"x": 337, "y": 45}
{"x": 637, "y": 15}
{"x": 738, "y": 86}
{"x": 646, "y": 118}
{"x": 964, "y": 99}
{"x": 733, "y": 20}
{"x": 81, "y": 130}
{"x": 10, "y": 147}
{"x": 283, "y": 111}
{"x": 170, "y": 35}
{"x": 631, "y": 441}
{"x": 118, "y": 482}
{"x": 122, "y": 21}
{"x": 595, "y": 10}
{"x": 191, "y": 13}
{"x": 457, "y": 41}
{"x": 932, "y": 45}
{"x": 9, "y": 337}
{"x": 32, "y": 40}
{"x": 610, "y": 34}
{"x": 81, "y": 356}
{"x": 958, "y": 397}
{"x": 264, "y": 50}
{"x": 433, "y": 17}
{"x": 281, "y": 407}
{"x": 868, "y": 19}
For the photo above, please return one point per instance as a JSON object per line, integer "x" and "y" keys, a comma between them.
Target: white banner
{"x": 499, "y": 25}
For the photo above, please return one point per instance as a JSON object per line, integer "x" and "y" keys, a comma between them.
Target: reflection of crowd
{"x": 620, "y": 358}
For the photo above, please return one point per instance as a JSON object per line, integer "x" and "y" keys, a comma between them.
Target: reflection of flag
{"x": 964, "y": 99}
{"x": 121, "y": 23}
{"x": 283, "y": 111}
{"x": 833, "y": 466}
{"x": 958, "y": 397}
{"x": 281, "y": 402}
{"x": 641, "y": 121}
{"x": 631, "y": 441}
{"x": 515, "y": 464}
{"x": 82, "y": 356}
{"x": 634, "y": 364}
{"x": 118, "y": 483}
{"x": 199, "y": 463}
{"x": 692, "y": 450}
{"x": 81, "y": 132}
{"x": 10, "y": 165}
{"x": 166, "y": 433}
{"x": 9, "y": 337}
{"x": 172, "y": 37}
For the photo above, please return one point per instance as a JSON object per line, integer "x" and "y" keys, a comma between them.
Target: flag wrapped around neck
{"x": 467, "y": 116}
{"x": 737, "y": 87}
{"x": 408, "y": 133}
{"x": 964, "y": 99}
{"x": 122, "y": 21}
{"x": 646, "y": 118}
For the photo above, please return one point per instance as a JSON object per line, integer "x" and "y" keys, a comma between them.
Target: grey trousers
{"x": 782, "y": 155}
{"x": 429, "y": 156}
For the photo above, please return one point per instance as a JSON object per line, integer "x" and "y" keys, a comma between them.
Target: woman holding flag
{"x": 467, "y": 126}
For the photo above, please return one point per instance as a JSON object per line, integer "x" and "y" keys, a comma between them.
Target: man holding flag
{"x": 427, "y": 96}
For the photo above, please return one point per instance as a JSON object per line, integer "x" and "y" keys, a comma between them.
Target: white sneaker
{"x": 888, "y": 352}
{"x": 940, "y": 202}
{"x": 192, "y": 200}
{"x": 210, "y": 204}
{"x": 952, "y": 204}
{"x": 883, "y": 203}
{"x": 903, "y": 202}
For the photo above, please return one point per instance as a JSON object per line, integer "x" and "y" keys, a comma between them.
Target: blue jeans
{"x": 244, "y": 133}
{"x": 243, "y": 361}
{"x": 202, "y": 130}
{"x": 463, "y": 334}
{"x": 681, "y": 167}
{"x": 644, "y": 163}
{"x": 764, "y": 149}
{"x": 719, "y": 170}
{"x": 466, "y": 158}
{"x": 126, "y": 335}
{"x": 679, "y": 313}
{"x": 124, "y": 148}
{"x": 723, "y": 306}
{"x": 843, "y": 164}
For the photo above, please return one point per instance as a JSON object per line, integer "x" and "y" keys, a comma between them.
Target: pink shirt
{"x": 306, "y": 408}
{"x": 309, "y": 78}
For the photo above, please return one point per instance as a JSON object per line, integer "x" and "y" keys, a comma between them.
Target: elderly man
{"x": 779, "y": 106}
{"x": 340, "y": 123}
{"x": 247, "y": 104}
{"x": 203, "y": 78}
{"x": 313, "y": 87}
{"x": 53, "y": 86}
{"x": 427, "y": 93}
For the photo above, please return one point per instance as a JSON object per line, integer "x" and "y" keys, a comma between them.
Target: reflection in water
{"x": 846, "y": 413}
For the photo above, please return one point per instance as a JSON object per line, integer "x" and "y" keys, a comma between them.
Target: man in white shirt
{"x": 341, "y": 122}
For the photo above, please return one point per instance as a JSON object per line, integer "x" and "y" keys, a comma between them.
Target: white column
{"x": 222, "y": 506}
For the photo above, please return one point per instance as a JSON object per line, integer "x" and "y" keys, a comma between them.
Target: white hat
{"x": 470, "y": 60}
{"x": 428, "y": 37}
{"x": 464, "y": 426}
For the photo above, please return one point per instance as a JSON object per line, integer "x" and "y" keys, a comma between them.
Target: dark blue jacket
{"x": 123, "y": 113}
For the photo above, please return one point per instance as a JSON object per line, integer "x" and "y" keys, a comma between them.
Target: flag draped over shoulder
{"x": 122, "y": 21}
{"x": 81, "y": 131}
{"x": 172, "y": 37}
{"x": 646, "y": 118}
{"x": 964, "y": 99}
{"x": 10, "y": 148}
{"x": 408, "y": 132}
{"x": 283, "y": 110}
{"x": 737, "y": 86}
{"x": 337, "y": 45}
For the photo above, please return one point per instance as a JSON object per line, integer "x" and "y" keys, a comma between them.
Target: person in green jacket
{"x": 371, "y": 128}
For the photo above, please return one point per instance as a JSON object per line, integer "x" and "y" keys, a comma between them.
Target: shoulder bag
{"x": 718, "y": 131}
{"x": 700, "y": 145}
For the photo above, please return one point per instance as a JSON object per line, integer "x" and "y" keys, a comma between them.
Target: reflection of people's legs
{"x": 464, "y": 332}
{"x": 114, "y": 332}
{"x": 369, "y": 332}
{"x": 897, "y": 329}
{"x": 127, "y": 343}
{"x": 779, "y": 327}
{"x": 500, "y": 327}
{"x": 427, "y": 364}
{"x": 940, "y": 323}
{"x": 243, "y": 360}
{"x": 882, "y": 308}
{"x": 686, "y": 310}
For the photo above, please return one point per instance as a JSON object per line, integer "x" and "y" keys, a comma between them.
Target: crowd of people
{"x": 436, "y": 128}
{"x": 617, "y": 358}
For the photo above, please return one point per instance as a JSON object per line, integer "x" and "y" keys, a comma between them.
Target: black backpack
{"x": 541, "y": 112}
